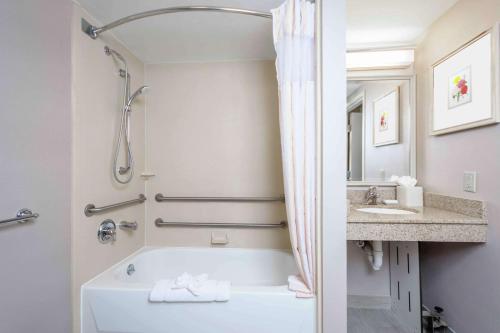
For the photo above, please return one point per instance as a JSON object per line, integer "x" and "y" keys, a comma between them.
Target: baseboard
{"x": 369, "y": 302}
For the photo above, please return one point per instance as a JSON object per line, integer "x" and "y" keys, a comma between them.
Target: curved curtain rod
{"x": 94, "y": 32}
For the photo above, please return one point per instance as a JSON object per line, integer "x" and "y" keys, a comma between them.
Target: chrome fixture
{"x": 23, "y": 215}
{"x": 372, "y": 195}
{"x": 130, "y": 269}
{"x": 160, "y": 223}
{"x": 159, "y": 197}
{"x": 94, "y": 32}
{"x": 107, "y": 232}
{"x": 139, "y": 91}
{"x": 91, "y": 209}
{"x": 124, "y": 130}
{"x": 124, "y": 225}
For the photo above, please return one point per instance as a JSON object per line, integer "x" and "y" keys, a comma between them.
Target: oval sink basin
{"x": 388, "y": 211}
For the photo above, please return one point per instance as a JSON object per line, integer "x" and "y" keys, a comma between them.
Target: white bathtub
{"x": 115, "y": 302}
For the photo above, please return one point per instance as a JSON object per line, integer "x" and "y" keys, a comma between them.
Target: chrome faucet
{"x": 107, "y": 232}
{"x": 372, "y": 195}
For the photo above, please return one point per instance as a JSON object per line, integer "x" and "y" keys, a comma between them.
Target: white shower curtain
{"x": 293, "y": 30}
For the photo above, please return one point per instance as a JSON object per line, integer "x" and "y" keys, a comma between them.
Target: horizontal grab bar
{"x": 159, "y": 197}
{"x": 160, "y": 223}
{"x": 91, "y": 209}
{"x": 22, "y": 216}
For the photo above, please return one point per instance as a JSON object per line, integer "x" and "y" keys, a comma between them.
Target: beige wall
{"x": 97, "y": 97}
{"x": 35, "y": 158}
{"x": 459, "y": 277}
{"x": 212, "y": 130}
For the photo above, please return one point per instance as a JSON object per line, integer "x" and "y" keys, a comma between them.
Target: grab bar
{"x": 23, "y": 215}
{"x": 159, "y": 197}
{"x": 91, "y": 209}
{"x": 160, "y": 223}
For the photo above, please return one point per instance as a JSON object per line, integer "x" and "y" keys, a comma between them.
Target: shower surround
{"x": 204, "y": 130}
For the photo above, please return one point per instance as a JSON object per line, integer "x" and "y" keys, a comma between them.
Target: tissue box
{"x": 410, "y": 196}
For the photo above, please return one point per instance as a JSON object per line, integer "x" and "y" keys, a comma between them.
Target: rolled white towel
{"x": 211, "y": 291}
{"x": 191, "y": 283}
{"x": 206, "y": 291}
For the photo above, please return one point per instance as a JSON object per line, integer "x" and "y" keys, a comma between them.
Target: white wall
{"x": 35, "y": 157}
{"x": 212, "y": 130}
{"x": 461, "y": 278}
{"x": 97, "y": 98}
{"x": 332, "y": 304}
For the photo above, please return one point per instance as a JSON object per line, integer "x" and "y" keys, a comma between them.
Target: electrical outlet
{"x": 470, "y": 181}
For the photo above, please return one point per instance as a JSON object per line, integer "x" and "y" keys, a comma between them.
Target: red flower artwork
{"x": 461, "y": 87}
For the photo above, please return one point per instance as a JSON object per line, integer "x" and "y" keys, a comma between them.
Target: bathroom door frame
{"x": 331, "y": 208}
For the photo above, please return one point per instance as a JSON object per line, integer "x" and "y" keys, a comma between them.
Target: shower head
{"x": 139, "y": 91}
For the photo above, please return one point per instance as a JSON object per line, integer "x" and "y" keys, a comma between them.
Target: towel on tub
{"x": 191, "y": 283}
{"x": 187, "y": 288}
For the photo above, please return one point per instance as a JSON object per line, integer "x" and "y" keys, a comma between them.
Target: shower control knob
{"x": 107, "y": 232}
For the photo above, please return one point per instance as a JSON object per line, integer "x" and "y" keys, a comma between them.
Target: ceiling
{"x": 383, "y": 23}
{"x": 202, "y": 36}
{"x": 190, "y": 37}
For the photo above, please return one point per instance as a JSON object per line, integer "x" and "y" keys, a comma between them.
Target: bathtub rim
{"x": 105, "y": 279}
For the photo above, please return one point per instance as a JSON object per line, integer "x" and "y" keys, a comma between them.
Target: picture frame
{"x": 465, "y": 89}
{"x": 385, "y": 117}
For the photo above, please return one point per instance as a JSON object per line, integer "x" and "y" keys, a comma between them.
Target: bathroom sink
{"x": 388, "y": 211}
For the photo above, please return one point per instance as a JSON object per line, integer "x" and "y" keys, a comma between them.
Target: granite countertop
{"x": 442, "y": 219}
{"x": 424, "y": 215}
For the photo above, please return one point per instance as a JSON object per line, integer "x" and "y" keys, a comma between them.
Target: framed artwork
{"x": 464, "y": 86}
{"x": 459, "y": 88}
{"x": 386, "y": 119}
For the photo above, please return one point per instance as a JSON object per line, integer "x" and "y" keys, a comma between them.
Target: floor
{"x": 373, "y": 321}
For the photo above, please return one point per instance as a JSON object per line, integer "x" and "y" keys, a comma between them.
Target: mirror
{"x": 380, "y": 129}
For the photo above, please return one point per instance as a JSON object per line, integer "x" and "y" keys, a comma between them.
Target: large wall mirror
{"x": 380, "y": 129}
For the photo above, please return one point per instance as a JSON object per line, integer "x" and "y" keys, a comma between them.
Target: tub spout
{"x": 124, "y": 225}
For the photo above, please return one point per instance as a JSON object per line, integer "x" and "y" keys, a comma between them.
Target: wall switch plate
{"x": 470, "y": 178}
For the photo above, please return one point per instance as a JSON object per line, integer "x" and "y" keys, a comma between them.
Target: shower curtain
{"x": 293, "y": 31}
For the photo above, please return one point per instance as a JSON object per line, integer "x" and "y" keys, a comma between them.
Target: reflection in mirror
{"x": 378, "y": 129}
{"x": 355, "y": 142}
